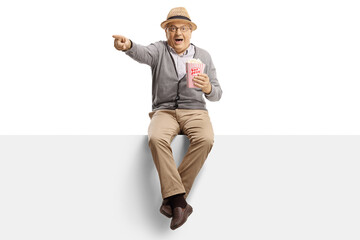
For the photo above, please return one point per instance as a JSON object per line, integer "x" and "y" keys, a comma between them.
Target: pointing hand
{"x": 121, "y": 43}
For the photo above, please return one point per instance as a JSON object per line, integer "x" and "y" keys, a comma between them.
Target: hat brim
{"x": 164, "y": 23}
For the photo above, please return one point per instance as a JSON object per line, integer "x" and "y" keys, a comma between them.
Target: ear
{"x": 166, "y": 34}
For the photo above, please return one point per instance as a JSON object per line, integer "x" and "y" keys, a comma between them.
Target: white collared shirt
{"x": 180, "y": 60}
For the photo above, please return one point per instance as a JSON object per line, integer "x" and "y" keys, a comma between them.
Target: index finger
{"x": 119, "y": 37}
{"x": 203, "y": 75}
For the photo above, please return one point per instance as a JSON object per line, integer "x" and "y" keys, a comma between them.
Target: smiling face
{"x": 179, "y": 40}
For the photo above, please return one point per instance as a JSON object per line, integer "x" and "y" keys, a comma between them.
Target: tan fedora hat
{"x": 177, "y": 14}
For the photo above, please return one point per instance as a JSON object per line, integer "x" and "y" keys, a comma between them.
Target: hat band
{"x": 179, "y": 17}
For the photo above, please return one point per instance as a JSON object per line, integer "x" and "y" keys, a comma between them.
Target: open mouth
{"x": 178, "y": 40}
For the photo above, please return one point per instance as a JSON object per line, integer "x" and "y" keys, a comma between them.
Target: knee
{"x": 155, "y": 140}
{"x": 206, "y": 141}
{"x": 209, "y": 141}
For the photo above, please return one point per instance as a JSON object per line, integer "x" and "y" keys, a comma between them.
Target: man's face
{"x": 179, "y": 40}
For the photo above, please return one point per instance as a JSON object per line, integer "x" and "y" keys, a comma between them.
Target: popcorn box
{"x": 193, "y": 69}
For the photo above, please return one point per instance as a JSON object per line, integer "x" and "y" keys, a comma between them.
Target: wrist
{"x": 129, "y": 44}
{"x": 208, "y": 90}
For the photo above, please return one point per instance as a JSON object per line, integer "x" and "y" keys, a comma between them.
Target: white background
{"x": 286, "y": 67}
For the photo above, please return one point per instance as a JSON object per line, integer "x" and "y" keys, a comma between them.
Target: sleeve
{"x": 143, "y": 54}
{"x": 216, "y": 91}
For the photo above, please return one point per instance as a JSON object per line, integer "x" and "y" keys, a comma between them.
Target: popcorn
{"x": 194, "y": 61}
{"x": 193, "y": 68}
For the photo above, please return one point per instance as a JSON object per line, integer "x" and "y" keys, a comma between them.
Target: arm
{"x": 142, "y": 54}
{"x": 216, "y": 91}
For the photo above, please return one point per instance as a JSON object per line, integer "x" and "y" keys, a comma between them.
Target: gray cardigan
{"x": 167, "y": 91}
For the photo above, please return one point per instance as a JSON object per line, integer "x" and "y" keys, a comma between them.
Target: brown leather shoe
{"x": 166, "y": 208}
{"x": 180, "y": 216}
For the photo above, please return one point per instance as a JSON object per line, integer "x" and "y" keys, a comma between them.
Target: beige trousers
{"x": 164, "y": 126}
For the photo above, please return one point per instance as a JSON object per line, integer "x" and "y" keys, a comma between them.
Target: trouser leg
{"x": 197, "y": 126}
{"x": 162, "y": 130}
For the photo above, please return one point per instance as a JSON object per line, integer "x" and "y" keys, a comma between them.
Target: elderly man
{"x": 176, "y": 108}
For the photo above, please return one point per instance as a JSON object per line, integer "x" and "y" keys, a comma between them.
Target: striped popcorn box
{"x": 193, "y": 69}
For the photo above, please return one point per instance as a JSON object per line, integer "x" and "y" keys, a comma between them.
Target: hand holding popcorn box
{"x": 193, "y": 68}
